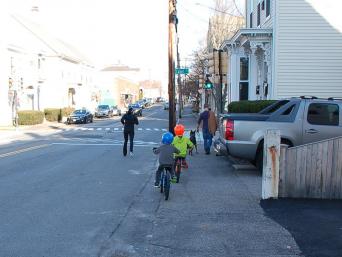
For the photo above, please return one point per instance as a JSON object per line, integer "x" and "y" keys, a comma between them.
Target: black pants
{"x": 127, "y": 134}
{"x": 160, "y": 170}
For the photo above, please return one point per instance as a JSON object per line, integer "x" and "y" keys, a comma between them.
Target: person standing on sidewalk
{"x": 129, "y": 120}
{"x": 209, "y": 127}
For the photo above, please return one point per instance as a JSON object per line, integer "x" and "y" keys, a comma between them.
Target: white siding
{"x": 308, "y": 50}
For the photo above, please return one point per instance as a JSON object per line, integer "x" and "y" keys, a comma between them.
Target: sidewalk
{"x": 9, "y": 133}
{"x": 219, "y": 212}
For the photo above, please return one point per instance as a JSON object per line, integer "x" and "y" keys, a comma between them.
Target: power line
{"x": 193, "y": 15}
{"x": 220, "y": 11}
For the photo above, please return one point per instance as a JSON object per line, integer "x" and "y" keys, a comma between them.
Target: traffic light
{"x": 208, "y": 84}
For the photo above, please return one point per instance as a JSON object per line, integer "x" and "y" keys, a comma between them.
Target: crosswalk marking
{"x": 114, "y": 129}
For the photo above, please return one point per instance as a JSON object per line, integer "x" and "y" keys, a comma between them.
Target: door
{"x": 321, "y": 122}
{"x": 243, "y": 91}
{"x": 244, "y": 79}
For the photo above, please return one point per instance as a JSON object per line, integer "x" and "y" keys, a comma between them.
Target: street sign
{"x": 182, "y": 71}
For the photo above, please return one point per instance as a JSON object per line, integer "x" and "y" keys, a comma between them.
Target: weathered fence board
{"x": 312, "y": 170}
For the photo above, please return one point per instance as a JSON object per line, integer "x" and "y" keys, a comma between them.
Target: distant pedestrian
{"x": 209, "y": 126}
{"x": 129, "y": 120}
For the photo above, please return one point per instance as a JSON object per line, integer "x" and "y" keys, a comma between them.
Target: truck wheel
{"x": 259, "y": 159}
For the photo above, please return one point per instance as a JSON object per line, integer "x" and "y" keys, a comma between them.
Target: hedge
{"x": 56, "y": 114}
{"x": 53, "y": 114}
{"x": 30, "y": 117}
{"x": 249, "y": 106}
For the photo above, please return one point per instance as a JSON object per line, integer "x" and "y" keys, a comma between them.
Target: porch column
{"x": 268, "y": 60}
{"x": 256, "y": 48}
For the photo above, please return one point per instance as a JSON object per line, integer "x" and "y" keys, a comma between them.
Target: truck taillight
{"x": 229, "y": 130}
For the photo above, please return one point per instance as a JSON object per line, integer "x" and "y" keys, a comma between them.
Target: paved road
{"x": 64, "y": 194}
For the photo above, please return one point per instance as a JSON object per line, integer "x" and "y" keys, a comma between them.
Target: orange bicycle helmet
{"x": 179, "y": 130}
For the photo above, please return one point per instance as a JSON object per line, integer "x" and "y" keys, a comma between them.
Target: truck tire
{"x": 259, "y": 159}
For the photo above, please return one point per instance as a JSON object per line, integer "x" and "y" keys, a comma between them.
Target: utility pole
{"x": 179, "y": 82}
{"x": 219, "y": 95}
{"x": 171, "y": 85}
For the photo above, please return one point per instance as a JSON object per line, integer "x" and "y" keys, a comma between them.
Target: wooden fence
{"x": 312, "y": 170}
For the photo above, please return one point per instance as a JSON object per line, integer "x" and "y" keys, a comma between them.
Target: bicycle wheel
{"x": 167, "y": 186}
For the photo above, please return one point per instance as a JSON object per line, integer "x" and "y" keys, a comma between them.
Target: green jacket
{"x": 182, "y": 144}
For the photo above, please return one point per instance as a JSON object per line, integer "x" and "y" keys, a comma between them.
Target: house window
{"x": 243, "y": 68}
{"x": 244, "y": 83}
{"x": 251, "y": 20}
{"x": 258, "y": 17}
{"x": 268, "y": 7}
{"x": 323, "y": 114}
{"x": 263, "y": 5}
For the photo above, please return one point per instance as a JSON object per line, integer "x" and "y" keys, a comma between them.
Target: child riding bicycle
{"x": 166, "y": 153}
{"x": 182, "y": 143}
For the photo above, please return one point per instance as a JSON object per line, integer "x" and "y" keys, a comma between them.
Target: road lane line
{"x": 23, "y": 150}
{"x": 102, "y": 144}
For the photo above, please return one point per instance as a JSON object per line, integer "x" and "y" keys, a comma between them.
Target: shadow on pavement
{"x": 316, "y": 225}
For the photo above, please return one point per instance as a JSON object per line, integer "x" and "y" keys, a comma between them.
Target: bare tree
{"x": 198, "y": 70}
{"x": 226, "y": 20}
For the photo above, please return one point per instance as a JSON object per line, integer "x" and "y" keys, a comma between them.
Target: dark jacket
{"x": 129, "y": 120}
{"x": 209, "y": 122}
{"x": 166, "y": 154}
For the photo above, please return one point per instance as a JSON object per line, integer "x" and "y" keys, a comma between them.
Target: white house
{"x": 40, "y": 71}
{"x": 288, "y": 48}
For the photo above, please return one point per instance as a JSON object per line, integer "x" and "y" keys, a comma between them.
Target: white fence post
{"x": 270, "y": 174}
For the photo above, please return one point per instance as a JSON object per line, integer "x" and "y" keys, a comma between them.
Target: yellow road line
{"x": 23, "y": 150}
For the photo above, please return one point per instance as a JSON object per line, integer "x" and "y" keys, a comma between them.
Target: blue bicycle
{"x": 165, "y": 181}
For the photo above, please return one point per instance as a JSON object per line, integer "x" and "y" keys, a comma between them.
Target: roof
{"x": 60, "y": 48}
{"x": 119, "y": 68}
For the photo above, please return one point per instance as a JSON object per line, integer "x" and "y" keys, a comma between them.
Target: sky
{"x": 132, "y": 32}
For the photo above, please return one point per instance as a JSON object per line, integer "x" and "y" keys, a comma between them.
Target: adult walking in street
{"x": 129, "y": 120}
{"x": 209, "y": 127}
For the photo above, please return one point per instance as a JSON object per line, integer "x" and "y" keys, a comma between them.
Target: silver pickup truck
{"x": 300, "y": 120}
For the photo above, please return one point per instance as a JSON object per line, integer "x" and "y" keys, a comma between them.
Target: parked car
{"x": 80, "y": 116}
{"x": 299, "y": 120}
{"x": 166, "y": 105}
{"x": 103, "y": 110}
{"x": 137, "y": 109}
{"x": 116, "y": 111}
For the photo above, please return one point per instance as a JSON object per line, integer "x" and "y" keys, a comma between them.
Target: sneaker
{"x": 156, "y": 184}
{"x": 131, "y": 154}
